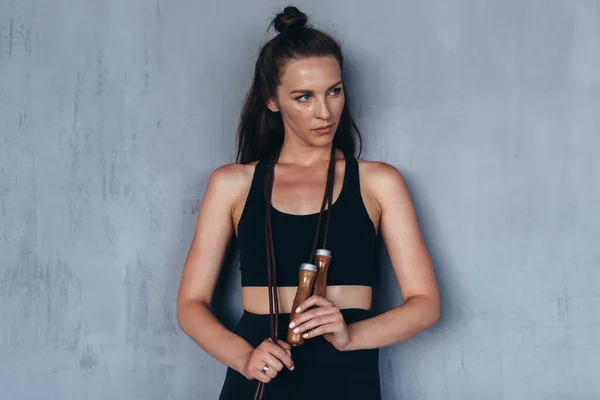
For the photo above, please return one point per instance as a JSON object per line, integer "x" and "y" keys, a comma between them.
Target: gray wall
{"x": 114, "y": 113}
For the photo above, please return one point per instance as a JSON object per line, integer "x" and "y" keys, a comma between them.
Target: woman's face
{"x": 309, "y": 97}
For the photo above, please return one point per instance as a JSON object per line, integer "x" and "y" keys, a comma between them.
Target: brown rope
{"x": 330, "y": 179}
{"x": 270, "y": 252}
{"x": 271, "y": 270}
{"x": 327, "y": 199}
{"x": 260, "y": 389}
{"x": 270, "y": 248}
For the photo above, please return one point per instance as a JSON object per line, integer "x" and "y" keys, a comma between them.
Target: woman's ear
{"x": 272, "y": 105}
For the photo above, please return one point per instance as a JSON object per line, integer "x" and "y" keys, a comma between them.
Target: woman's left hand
{"x": 324, "y": 319}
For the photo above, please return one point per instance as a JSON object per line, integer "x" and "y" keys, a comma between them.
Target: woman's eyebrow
{"x": 310, "y": 91}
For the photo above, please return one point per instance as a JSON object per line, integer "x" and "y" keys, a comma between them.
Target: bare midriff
{"x": 255, "y": 299}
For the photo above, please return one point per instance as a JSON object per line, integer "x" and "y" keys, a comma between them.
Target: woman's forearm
{"x": 415, "y": 315}
{"x": 200, "y": 324}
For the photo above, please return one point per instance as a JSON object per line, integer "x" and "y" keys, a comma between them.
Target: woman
{"x": 296, "y": 157}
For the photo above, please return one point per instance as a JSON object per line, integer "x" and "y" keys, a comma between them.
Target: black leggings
{"x": 321, "y": 372}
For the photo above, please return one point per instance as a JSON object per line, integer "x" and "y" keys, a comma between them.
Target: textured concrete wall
{"x": 114, "y": 113}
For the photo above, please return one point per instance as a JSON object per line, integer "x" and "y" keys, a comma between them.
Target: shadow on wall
{"x": 386, "y": 293}
{"x": 227, "y": 299}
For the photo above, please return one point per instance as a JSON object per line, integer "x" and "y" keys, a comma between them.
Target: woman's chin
{"x": 323, "y": 140}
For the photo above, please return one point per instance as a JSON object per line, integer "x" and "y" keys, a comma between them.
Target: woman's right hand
{"x": 275, "y": 356}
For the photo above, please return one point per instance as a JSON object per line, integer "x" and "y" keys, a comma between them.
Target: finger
{"x": 270, "y": 372}
{"x": 281, "y": 354}
{"x": 315, "y": 312}
{"x": 323, "y": 329}
{"x": 316, "y": 322}
{"x": 314, "y": 300}
{"x": 285, "y": 345}
{"x": 259, "y": 376}
{"x": 269, "y": 345}
{"x": 273, "y": 362}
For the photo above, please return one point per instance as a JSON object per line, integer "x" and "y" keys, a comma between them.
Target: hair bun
{"x": 290, "y": 16}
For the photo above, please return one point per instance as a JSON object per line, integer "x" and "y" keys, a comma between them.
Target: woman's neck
{"x": 303, "y": 155}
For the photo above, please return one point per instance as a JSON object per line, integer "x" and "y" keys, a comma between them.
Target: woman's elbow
{"x": 184, "y": 310}
{"x": 434, "y": 311}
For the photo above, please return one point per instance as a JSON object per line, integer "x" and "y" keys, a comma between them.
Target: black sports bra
{"x": 352, "y": 237}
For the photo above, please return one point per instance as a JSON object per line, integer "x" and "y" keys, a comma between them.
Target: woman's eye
{"x": 305, "y": 97}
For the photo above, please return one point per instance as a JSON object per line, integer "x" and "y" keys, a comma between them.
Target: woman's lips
{"x": 324, "y": 130}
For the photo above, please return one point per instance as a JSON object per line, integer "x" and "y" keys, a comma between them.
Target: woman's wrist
{"x": 242, "y": 360}
{"x": 352, "y": 342}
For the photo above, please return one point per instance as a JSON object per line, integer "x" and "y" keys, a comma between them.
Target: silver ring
{"x": 265, "y": 368}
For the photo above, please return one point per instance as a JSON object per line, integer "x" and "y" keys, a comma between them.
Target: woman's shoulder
{"x": 378, "y": 170}
{"x": 231, "y": 179}
{"x": 381, "y": 178}
{"x": 233, "y": 172}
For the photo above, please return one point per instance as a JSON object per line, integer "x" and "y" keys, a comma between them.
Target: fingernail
{"x": 296, "y": 330}
{"x": 305, "y": 335}
{"x": 290, "y": 353}
{"x": 298, "y": 309}
{"x": 291, "y": 369}
{"x": 292, "y": 324}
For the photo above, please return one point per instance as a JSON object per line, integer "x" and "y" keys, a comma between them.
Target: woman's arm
{"x": 410, "y": 260}
{"x": 202, "y": 267}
